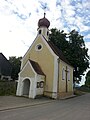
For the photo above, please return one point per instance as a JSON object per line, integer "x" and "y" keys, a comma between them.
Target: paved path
{"x": 77, "y": 108}
{"x": 13, "y": 102}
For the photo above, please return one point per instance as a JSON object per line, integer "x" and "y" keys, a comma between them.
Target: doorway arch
{"x": 26, "y": 87}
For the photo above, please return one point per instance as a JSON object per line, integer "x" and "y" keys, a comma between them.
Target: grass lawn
{"x": 81, "y": 90}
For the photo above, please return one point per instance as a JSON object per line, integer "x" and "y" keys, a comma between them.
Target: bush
{"x": 7, "y": 88}
{"x": 87, "y": 82}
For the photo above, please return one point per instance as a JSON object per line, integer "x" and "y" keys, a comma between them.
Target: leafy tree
{"x": 59, "y": 39}
{"x": 78, "y": 54}
{"x": 87, "y": 82}
{"x": 16, "y": 63}
{"x": 73, "y": 47}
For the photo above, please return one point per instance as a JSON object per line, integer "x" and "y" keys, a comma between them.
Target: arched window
{"x": 63, "y": 74}
{"x": 68, "y": 75}
{"x": 39, "y": 31}
{"x": 47, "y": 33}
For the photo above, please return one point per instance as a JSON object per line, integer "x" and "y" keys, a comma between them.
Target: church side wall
{"x": 62, "y": 82}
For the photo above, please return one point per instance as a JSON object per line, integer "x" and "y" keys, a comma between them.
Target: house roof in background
{"x": 5, "y": 66}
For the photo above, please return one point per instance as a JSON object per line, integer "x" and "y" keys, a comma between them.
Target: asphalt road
{"x": 77, "y": 108}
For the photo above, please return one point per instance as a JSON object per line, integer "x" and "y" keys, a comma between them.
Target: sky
{"x": 19, "y": 18}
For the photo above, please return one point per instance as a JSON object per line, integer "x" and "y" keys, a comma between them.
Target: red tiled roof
{"x": 36, "y": 67}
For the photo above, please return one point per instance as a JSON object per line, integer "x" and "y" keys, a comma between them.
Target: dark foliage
{"x": 74, "y": 49}
{"x": 87, "y": 82}
{"x": 16, "y": 63}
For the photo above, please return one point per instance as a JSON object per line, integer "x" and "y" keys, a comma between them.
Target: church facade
{"x": 44, "y": 69}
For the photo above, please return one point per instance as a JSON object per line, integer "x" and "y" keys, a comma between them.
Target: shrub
{"x": 7, "y": 88}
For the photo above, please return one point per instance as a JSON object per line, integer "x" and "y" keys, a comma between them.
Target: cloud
{"x": 76, "y": 15}
{"x": 87, "y": 36}
{"x": 44, "y": 5}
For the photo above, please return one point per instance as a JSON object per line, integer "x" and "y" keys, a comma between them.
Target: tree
{"x": 87, "y": 82}
{"x": 16, "y": 63}
{"x": 59, "y": 39}
{"x": 73, "y": 47}
{"x": 78, "y": 54}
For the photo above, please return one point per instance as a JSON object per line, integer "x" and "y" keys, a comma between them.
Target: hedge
{"x": 7, "y": 88}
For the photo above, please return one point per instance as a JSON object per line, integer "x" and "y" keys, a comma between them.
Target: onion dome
{"x": 44, "y": 22}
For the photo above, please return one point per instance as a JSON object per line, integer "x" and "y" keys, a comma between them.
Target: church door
{"x": 26, "y": 87}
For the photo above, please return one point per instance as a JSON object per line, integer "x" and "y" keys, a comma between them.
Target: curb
{"x": 65, "y": 98}
{"x": 23, "y": 106}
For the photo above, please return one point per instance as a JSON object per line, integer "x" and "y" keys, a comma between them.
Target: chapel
{"x": 44, "y": 69}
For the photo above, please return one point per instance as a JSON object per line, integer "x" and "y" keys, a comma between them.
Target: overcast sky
{"x": 19, "y": 18}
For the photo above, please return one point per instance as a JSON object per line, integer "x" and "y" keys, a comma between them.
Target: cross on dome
{"x": 44, "y": 15}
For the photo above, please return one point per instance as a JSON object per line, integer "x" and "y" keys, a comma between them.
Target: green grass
{"x": 81, "y": 90}
{"x": 84, "y": 88}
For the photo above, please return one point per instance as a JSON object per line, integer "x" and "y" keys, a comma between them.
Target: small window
{"x": 40, "y": 31}
{"x": 63, "y": 74}
{"x": 41, "y": 84}
{"x": 47, "y": 33}
{"x": 38, "y": 47}
{"x": 68, "y": 75}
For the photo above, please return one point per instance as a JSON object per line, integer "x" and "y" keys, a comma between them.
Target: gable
{"x": 30, "y": 69}
{"x": 35, "y": 54}
{"x": 27, "y": 71}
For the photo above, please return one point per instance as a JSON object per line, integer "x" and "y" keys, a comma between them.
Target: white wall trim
{"x": 55, "y": 80}
{"x": 35, "y": 86}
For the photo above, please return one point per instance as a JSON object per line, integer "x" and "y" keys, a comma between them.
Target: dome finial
{"x": 44, "y": 14}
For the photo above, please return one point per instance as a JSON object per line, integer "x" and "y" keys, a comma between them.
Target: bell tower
{"x": 43, "y": 25}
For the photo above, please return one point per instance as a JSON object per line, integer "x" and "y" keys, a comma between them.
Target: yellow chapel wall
{"x": 46, "y": 61}
{"x": 62, "y": 83}
{"x": 27, "y": 72}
